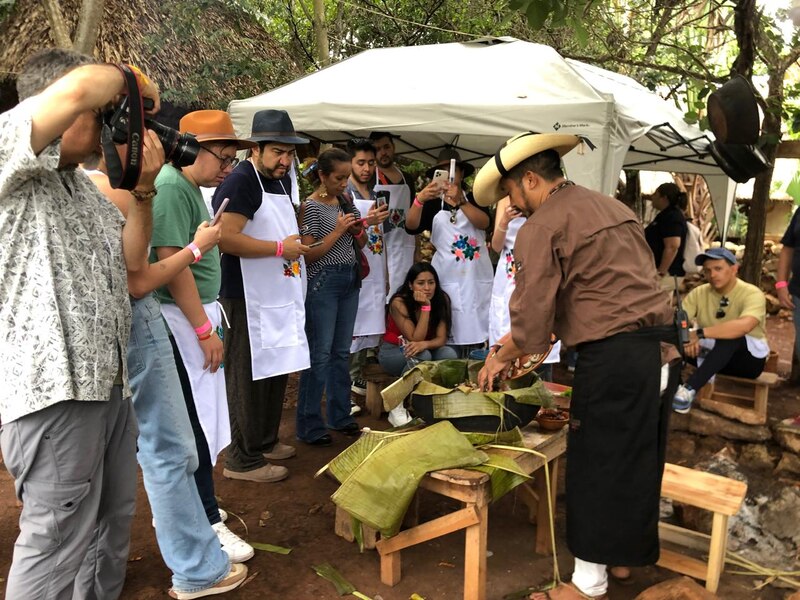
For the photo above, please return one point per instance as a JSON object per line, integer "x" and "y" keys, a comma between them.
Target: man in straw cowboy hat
{"x": 189, "y": 301}
{"x": 584, "y": 271}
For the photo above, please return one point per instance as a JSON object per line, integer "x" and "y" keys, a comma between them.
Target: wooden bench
{"x": 720, "y": 495}
{"x": 376, "y": 379}
{"x": 736, "y": 398}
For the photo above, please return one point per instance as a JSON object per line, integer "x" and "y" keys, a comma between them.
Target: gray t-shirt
{"x": 65, "y": 317}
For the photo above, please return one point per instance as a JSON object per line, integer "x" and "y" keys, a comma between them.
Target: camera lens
{"x": 179, "y": 148}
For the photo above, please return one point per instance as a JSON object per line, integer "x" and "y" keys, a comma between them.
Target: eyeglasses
{"x": 224, "y": 161}
{"x": 723, "y": 304}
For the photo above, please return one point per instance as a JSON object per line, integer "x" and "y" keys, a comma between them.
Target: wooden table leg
{"x": 544, "y": 542}
{"x": 475, "y": 556}
{"x": 390, "y": 568}
{"x": 716, "y": 551}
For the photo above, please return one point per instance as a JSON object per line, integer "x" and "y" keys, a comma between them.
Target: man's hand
{"x": 147, "y": 88}
{"x": 692, "y": 349}
{"x": 206, "y": 237}
{"x": 377, "y": 214}
{"x": 414, "y": 348}
{"x": 293, "y": 248}
{"x": 492, "y": 368}
{"x": 152, "y": 161}
{"x": 212, "y": 351}
{"x": 785, "y": 298}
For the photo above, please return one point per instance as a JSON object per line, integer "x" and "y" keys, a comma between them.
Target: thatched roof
{"x": 202, "y": 53}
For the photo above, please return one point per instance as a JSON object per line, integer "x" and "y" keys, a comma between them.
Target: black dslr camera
{"x": 181, "y": 149}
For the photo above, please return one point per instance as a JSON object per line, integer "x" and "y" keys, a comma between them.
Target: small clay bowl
{"x": 552, "y": 419}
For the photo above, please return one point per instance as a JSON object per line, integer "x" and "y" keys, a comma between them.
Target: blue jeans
{"x": 168, "y": 456}
{"x": 331, "y": 306}
{"x": 394, "y": 362}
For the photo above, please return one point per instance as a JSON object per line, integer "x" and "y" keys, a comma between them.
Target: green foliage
{"x": 6, "y": 6}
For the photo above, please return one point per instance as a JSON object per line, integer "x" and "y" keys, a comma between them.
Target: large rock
{"x": 789, "y": 465}
{"x": 788, "y": 437}
{"x": 704, "y": 423}
{"x": 681, "y": 588}
{"x": 756, "y": 456}
{"x": 679, "y": 422}
{"x": 780, "y": 515}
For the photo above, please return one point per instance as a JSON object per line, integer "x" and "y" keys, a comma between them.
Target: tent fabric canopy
{"x": 475, "y": 95}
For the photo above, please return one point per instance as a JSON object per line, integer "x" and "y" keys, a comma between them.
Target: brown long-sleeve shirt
{"x": 584, "y": 272}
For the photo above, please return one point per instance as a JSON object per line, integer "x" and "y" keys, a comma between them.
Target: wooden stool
{"x": 771, "y": 366}
{"x": 736, "y": 398}
{"x": 720, "y": 495}
{"x": 376, "y": 379}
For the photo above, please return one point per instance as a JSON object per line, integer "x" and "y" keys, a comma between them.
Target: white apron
{"x": 371, "y": 316}
{"x": 399, "y": 244}
{"x": 274, "y": 292}
{"x": 208, "y": 389}
{"x": 503, "y": 287}
{"x": 465, "y": 273}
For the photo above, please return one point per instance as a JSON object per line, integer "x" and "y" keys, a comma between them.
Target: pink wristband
{"x": 417, "y": 202}
{"x": 425, "y": 308}
{"x": 196, "y": 251}
{"x": 279, "y": 249}
{"x": 204, "y": 328}
{"x": 779, "y": 285}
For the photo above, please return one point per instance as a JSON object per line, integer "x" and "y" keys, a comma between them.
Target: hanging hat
{"x": 443, "y": 162}
{"x": 212, "y": 126}
{"x": 733, "y": 112}
{"x": 274, "y": 126}
{"x": 486, "y": 188}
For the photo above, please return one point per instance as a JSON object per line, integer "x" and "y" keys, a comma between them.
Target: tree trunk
{"x": 321, "y": 33}
{"x": 58, "y": 27}
{"x": 88, "y": 26}
{"x": 757, "y": 216}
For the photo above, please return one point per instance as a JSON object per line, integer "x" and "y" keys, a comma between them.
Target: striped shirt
{"x": 320, "y": 219}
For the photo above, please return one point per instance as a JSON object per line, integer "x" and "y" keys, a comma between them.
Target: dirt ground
{"x": 301, "y": 517}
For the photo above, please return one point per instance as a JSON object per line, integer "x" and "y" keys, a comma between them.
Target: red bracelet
{"x": 203, "y": 338}
{"x": 204, "y": 328}
{"x": 417, "y": 202}
{"x": 425, "y": 308}
{"x": 279, "y": 249}
{"x": 779, "y": 285}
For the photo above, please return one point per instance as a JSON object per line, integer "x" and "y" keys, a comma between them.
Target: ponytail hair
{"x": 325, "y": 163}
{"x": 674, "y": 195}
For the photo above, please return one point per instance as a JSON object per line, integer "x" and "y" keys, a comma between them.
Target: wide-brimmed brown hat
{"x": 443, "y": 162}
{"x": 213, "y": 126}
{"x": 486, "y": 188}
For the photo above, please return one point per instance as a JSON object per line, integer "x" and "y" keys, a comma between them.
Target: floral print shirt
{"x": 64, "y": 308}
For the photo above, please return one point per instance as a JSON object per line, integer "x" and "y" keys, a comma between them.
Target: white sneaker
{"x": 235, "y": 547}
{"x": 399, "y": 416}
{"x": 682, "y": 401}
{"x": 354, "y": 409}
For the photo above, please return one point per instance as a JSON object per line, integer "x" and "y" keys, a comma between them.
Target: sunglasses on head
{"x": 723, "y": 304}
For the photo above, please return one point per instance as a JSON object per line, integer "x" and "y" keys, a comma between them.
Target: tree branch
{"x": 58, "y": 26}
{"x": 88, "y": 26}
{"x": 602, "y": 60}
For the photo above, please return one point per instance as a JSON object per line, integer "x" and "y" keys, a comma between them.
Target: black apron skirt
{"x": 616, "y": 447}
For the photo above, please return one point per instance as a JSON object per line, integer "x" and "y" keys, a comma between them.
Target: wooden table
{"x": 473, "y": 489}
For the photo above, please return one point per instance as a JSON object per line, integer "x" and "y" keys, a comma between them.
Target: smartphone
{"x": 382, "y": 198}
{"x": 315, "y": 244}
{"x": 219, "y": 212}
{"x": 441, "y": 175}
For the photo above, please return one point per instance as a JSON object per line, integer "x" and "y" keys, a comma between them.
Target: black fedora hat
{"x": 272, "y": 125}
{"x": 733, "y": 112}
{"x": 443, "y": 161}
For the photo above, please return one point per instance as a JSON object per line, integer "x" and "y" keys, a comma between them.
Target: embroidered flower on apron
{"x": 465, "y": 248}
{"x": 375, "y": 240}
{"x": 291, "y": 268}
{"x": 510, "y": 267}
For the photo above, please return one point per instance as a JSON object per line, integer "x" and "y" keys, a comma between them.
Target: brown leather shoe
{"x": 266, "y": 474}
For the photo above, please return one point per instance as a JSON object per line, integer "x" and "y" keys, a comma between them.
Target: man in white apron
{"x": 400, "y": 189}
{"x": 263, "y": 282}
{"x": 371, "y": 317}
{"x": 189, "y": 301}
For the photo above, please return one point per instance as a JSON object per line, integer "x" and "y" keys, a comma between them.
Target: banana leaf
{"x": 378, "y": 491}
{"x": 504, "y": 474}
{"x": 512, "y": 437}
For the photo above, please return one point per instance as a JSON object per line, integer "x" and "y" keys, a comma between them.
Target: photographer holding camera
{"x": 69, "y": 431}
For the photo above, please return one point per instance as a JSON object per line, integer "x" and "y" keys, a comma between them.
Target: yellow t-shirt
{"x": 744, "y": 300}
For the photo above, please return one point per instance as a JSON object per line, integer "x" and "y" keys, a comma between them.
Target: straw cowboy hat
{"x": 443, "y": 162}
{"x": 486, "y": 188}
{"x": 213, "y": 126}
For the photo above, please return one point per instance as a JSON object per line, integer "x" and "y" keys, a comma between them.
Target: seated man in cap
{"x": 730, "y": 333}
{"x": 583, "y": 253}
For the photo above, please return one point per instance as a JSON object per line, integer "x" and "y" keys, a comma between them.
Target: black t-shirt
{"x": 670, "y": 222}
{"x": 791, "y": 239}
{"x": 432, "y": 207}
{"x": 242, "y": 187}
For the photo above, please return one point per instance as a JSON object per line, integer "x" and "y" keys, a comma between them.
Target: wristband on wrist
{"x": 279, "y": 248}
{"x": 417, "y": 202}
{"x": 493, "y": 351}
{"x": 204, "y": 328}
{"x": 425, "y": 308}
{"x": 196, "y": 251}
{"x": 360, "y": 235}
{"x": 143, "y": 196}
{"x": 700, "y": 333}
{"x": 779, "y": 285}
{"x": 204, "y": 337}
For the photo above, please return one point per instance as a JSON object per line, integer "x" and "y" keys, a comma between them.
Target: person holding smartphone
{"x": 370, "y": 318}
{"x": 458, "y": 232}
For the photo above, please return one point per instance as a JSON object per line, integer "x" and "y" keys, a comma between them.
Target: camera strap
{"x": 128, "y": 177}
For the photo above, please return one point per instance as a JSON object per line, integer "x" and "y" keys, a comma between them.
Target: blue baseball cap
{"x": 715, "y": 254}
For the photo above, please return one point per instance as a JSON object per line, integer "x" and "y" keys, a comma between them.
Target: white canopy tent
{"x": 476, "y": 95}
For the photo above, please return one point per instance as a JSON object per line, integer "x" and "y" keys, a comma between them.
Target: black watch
{"x": 701, "y": 335}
